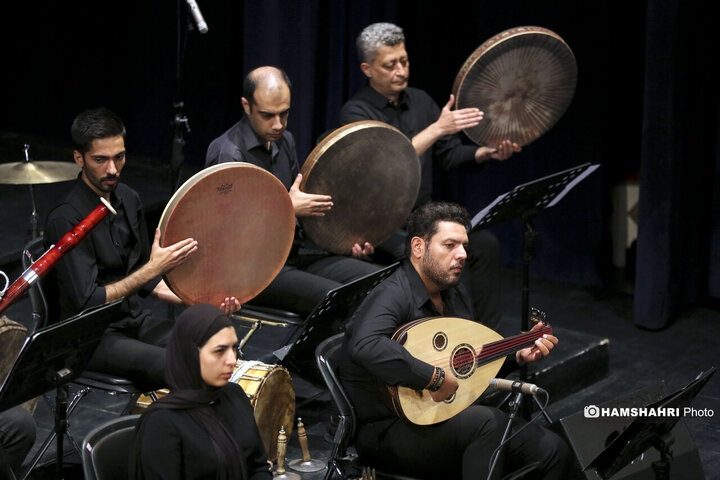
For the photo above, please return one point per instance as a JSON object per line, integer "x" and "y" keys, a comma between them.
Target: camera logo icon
{"x": 591, "y": 411}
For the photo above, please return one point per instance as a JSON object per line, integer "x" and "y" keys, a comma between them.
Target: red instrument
{"x": 49, "y": 258}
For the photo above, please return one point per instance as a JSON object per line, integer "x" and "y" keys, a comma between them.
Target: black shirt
{"x": 241, "y": 144}
{"x": 116, "y": 247}
{"x": 369, "y": 357}
{"x": 175, "y": 446}
{"x": 415, "y": 111}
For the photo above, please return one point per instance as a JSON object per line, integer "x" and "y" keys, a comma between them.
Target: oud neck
{"x": 506, "y": 346}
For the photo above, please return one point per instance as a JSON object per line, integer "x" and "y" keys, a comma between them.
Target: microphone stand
{"x": 180, "y": 123}
{"x": 515, "y": 405}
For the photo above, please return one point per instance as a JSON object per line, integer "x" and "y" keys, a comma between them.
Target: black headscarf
{"x": 188, "y": 391}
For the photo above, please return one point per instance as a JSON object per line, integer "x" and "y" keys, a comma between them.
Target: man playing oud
{"x": 427, "y": 285}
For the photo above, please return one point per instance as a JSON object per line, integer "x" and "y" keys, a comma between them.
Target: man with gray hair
{"x": 433, "y": 132}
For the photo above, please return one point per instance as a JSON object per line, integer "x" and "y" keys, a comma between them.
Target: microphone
{"x": 197, "y": 16}
{"x": 515, "y": 386}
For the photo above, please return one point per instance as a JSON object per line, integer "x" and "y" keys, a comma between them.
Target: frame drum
{"x": 372, "y": 172}
{"x": 243, "y": 220}
{"x": 523, "y": 79}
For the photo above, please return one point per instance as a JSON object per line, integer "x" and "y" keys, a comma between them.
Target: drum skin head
{"x": 372, "y": 172}
{"x": 243, "y": 220}
{"x": 523, "y": 79}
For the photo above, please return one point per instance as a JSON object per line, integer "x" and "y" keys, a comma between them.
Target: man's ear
{"x": 417, "y": 247}
{"x": 246, "y": 106}
{"x": 366, "y": 69}
{"x": 79, "y": 160}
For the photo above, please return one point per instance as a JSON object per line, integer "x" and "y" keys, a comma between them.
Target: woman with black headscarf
{"x": 205, "y": 428}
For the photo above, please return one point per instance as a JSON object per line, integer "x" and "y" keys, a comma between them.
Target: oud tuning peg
{"x": 537, "y": 315}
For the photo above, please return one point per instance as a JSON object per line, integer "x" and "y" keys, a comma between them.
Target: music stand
{"x": 645, "y": 432}
{"x": 525, "y": 202}
{"x": 51, "y": 358}
{"x": 327, "y": 318}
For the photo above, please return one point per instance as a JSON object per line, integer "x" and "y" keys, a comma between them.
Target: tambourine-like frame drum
{"x": 523, "y": 79}
{"x": 372, "y": 172}
{"x": 243, "y": 220}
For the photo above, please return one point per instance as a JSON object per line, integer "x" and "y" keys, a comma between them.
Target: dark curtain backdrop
{"x": 639, "y": 95}
{"x": 679, "y": 231}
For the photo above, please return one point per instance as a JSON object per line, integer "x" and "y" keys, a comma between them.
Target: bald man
{"x": 261, "y": 138}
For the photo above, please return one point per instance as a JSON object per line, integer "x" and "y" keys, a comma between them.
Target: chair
{"x": 341, "y": 462}
{"x": 111, "y": 384}
{"x": 106, "y": 449}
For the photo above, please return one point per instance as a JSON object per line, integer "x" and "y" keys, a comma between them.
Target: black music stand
{"x": 51, "y": 358}
{"x": 327, "y": 319}
{"x": 646, "y": 432}
{"x": 525, "y": 202}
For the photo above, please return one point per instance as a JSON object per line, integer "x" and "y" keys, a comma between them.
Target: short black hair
{"x": 250, "y": 84}
{"x": 95, "y": 124}
{"x": 423, "y": 222}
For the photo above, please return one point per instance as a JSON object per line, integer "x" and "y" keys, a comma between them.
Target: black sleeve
{"x": 161, "y": 448}
{"x": 77, "y": 271}
{"x": 145, "y": 245}
{"x": 252, "y": 443}
{"x": 222, "y": 151}
{"x": 355, "y": 111}
{"x": 369, "y": 343}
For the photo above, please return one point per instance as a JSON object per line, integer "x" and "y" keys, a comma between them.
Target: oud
{"x": 470, "y": 351}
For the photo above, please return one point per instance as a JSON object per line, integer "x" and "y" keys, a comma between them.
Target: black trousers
{"x": 136, "y": 352}
{"x": 482, "y": 271}
{"x": 461, "y": 447}
{"x": 299, "y": 288}
{"x": 17, "y": 435}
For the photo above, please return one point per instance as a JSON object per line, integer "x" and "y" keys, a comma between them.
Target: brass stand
{"x": 305, "y": 464}
{"x": 280, "y": 473}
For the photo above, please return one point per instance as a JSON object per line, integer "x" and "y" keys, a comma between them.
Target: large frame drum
{"x": 243, "y": 220}
{"x": 372, "y": 172}
{"x": 523, "y": 79}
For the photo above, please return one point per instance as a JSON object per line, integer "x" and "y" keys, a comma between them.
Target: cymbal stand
{"x": 34, "y": 217}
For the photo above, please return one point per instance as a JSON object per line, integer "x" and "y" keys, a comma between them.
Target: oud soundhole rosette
{"x": 463, "y": 361}
{"x": 440, "y": 341}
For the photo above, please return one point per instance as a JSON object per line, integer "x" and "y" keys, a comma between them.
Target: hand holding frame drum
{"x": 523, "y": 79}
{"x": 371, "y": 171}
{"x": 243, "y": 221}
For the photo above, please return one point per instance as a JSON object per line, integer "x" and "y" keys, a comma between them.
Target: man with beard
{"x": 116, "y": 259}
{"x": 427, "y": 285}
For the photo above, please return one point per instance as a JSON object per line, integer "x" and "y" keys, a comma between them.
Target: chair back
{"x": 106, "y": 449}
{"x": 326, "y": 357}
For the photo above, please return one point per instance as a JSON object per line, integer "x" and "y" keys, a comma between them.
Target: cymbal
{"x": 523, "y": 79}
{"x": 46, "y": 171}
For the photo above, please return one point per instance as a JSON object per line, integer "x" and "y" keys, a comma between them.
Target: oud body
{"x": 471, "y": 352}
